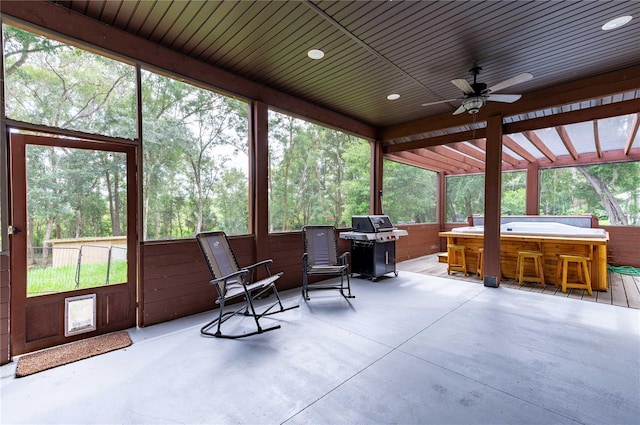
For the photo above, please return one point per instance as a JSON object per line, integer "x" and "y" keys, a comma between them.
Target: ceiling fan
{"x": 477, "y": 94}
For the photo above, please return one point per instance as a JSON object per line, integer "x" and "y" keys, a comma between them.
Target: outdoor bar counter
{"x": 552, "y": 239}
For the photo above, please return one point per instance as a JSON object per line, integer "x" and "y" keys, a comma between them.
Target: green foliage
{"x": 410, "y": 193}
{"x": 465, "y": 196}
{"x": 68, "y": 193}
{"x": 317, "y": 175}
{"x": 57, "y": 85}
{"x": 514, "y": 192}
{"x": 613, "y": 189}
{"x": 195, "y": 160}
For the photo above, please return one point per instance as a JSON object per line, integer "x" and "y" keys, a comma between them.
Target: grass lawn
{"x": 48, "y": 280}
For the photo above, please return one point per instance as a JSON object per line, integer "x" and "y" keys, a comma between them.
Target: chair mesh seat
{"x": 321, "y": 258}
{"x": 231, "y": 282}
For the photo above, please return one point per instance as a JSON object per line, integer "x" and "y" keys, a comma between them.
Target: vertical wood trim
{"x": 18, "y": 257}
{"x": 376, "y": 177}
{"x": 5, "y": 280}
{"x": 492, "y": 193}
{"x": 533, "y": 189}
{"x": 259, "y": 175}
{"x": 134, "y": 271}
{"x": 139, "y": 205}
{"x": 441, "y": 201}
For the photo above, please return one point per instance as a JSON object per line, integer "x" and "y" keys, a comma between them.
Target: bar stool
{"x": 538, "y": 264}
{"x": 481, "y": 263}
{"x": 584, "y": 279}
{"x": 456, "y": 260}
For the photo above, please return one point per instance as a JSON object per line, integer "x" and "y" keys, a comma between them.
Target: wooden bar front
{"x": 550, "y": 246}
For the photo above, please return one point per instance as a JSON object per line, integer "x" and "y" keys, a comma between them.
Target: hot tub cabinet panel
{"x": 550, "y": 246}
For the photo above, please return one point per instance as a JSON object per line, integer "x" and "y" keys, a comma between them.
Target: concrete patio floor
{"x": 407, "y": 349}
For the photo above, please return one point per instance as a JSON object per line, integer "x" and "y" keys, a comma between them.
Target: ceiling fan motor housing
{"x": 479, "y": 88}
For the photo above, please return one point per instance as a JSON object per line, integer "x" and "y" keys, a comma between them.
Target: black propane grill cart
{"x": 373, "y": 245}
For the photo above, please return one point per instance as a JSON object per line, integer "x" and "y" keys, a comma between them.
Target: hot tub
{"x": 551, "y": 238}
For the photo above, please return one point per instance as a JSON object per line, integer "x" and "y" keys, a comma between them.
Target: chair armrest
{"x": 240, "y": 273}
{"x": 344, "y": 257}
{"x": 260, "y": 263}
{"x": 251, "y": 269}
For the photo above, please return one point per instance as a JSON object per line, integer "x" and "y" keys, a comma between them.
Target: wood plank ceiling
{"x": 581, "y": 106}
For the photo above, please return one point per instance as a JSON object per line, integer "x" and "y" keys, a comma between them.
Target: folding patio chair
{"x": 231, "y": 282}
{"x": 321, "y": 258}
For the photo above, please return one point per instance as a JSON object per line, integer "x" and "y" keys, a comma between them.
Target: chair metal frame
{"x": 231, "y": 282}
{"x": 324, "y": 263}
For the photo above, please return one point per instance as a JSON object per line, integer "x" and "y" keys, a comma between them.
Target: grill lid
{"x": 371, "y": 223}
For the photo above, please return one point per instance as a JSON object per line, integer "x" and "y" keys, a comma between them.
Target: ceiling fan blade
{"x": 508, "y": 98}
{"x": 439, "y": 101}
{"x": 525, "y": 76}
{"x": 459, "y": 110}
{"x": 463, "y": 85}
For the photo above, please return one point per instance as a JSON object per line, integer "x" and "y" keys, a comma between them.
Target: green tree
{"x": 409, "y": 194}
{"x": 465, "y": 196}
{"x": 316, "y": 174}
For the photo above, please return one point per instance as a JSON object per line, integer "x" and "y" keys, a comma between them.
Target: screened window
{"x": 514, "y": 193}
{"x": 465, "y": 195}
{"x": 54, "y": 84}
{"x": 317, "y": 175}
{"x": 609, "y": 191}
{"x": 410, "y": 193}
{"x": 195, "y": 160}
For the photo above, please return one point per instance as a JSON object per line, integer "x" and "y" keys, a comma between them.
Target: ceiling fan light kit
{"x": 473, "y": 104}
{"x": 477, "y": 94}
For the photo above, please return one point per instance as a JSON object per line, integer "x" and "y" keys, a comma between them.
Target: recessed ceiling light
{"x": 616, "y": 23}
{"x": 315, "y": 54}
{"x": 393, "y": 96}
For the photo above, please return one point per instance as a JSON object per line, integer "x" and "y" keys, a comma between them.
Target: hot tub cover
{"x": 539, "y": 229}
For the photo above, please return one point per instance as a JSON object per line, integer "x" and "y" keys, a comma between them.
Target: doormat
{"x": 71, "y": 352}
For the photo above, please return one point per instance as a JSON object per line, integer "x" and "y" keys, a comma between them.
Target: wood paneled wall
{"x": 623, "y": 248}
{"x": 5, "y": 356}
{"x": 423, "y": 239}
{"x": 175, "y": 282}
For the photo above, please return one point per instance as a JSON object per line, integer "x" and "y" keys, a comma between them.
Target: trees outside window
{"x": 195, "y": 160}
{"x": 54, "y": 84}
{"x": 514, "y": 193}
{"x": 610, "y": 191}
{"x": 316, "y": 175}
{"x": 465, "y": 195}
{"x": 409, "y": 193}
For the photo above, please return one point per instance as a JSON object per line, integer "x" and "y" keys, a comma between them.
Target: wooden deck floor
{"x": 624, "y": 290}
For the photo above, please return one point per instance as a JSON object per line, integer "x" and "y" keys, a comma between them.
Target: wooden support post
{"x": 492, "y": 193}
{"x": 376, "y": 168}
{"x": 259, "y": 177}
{"x": 441, "y": 205}
{"x": 533, "y": 189}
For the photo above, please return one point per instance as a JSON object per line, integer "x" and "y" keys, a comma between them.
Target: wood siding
{"x": 624, "y": 245}
{"x": 5, "y": 291}
{"x": 422, "y": 240}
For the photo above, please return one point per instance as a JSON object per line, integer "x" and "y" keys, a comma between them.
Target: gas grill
{"x": 373, "y": 245}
